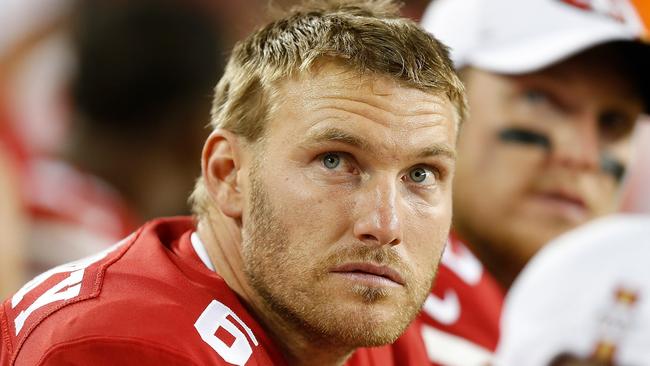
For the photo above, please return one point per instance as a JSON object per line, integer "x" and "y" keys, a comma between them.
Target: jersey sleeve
{"x": 108, "y": 352}
{"x": 5, "y": 352}
{"x": 46, "y": 294}
{"x": 105, "y": 352}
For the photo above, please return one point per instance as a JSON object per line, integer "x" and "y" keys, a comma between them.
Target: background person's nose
{"x": 577, "y": 145}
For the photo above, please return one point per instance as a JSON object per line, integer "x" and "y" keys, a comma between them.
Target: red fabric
{"x": 57, "y": 191}
{"x": 137, "y": 304}
{"x": 474, "y": 317}
{"x": 71, "y": 213}
{"x": 9, "y": 143}
{"x": 54, "y": 190}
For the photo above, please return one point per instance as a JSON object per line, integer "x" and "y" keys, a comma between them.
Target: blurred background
{"x": 103, "y": 112}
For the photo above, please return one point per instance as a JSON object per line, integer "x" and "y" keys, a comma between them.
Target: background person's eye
{"x": 536, "y": 96}
{"x": 615, "y": 125}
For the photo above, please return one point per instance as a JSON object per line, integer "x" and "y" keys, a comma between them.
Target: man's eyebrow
{"x": 438, "y": 150}
{"x": 338, "y": 135}
{"x": 342, "y": 136}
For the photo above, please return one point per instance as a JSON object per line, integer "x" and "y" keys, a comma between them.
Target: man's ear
{"x": 220, "y": 163}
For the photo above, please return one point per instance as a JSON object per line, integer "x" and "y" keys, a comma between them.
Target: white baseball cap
{"x": 520, "y": 36}
{"x": 587, "y": 294}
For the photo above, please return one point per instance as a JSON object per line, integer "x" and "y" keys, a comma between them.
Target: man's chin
{"x": 365, "y": 331}
{"x": 365, "y": 324}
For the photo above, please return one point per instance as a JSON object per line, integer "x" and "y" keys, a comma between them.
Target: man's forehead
{"x": 332, "y": 79}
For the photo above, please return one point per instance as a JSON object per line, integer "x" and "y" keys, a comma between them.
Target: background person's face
{"x": 510, "y": 198}
{"x": 352, "y": 183}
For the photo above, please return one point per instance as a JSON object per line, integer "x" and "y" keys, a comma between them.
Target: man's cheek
{"x": 614, "y": 160}
{"x": 425, "y": 244}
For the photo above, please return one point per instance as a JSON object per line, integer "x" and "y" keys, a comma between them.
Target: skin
{"x": 636, "y": 195}
{"x": 335, "y": 182}
{"x": 12, "y": 226}
{"x": 512, "y": 198}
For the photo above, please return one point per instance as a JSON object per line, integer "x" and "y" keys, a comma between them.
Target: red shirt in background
{"x": 459, "y": 322}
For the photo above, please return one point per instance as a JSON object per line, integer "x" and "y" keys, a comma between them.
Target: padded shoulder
{"x": 52, "y": 291}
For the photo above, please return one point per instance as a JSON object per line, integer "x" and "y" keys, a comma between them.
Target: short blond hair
{"x": 368, "y": 36}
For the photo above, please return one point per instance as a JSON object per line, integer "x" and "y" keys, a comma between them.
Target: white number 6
{"x": 215, "y": 316}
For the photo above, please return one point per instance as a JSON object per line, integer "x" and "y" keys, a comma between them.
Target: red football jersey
{"x": 148, "y": 300}
{"x": 459, "y": 322}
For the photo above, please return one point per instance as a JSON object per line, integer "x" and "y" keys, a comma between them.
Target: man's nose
{"x": 378, "y": 221}
{"x": 577, "y": 143}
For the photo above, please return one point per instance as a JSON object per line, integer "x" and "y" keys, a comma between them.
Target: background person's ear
{"x": 220, "y": 163}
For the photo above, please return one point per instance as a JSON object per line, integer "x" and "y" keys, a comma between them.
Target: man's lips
{"x": 369, "y": 269}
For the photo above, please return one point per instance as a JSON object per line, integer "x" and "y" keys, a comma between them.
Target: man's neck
{"x": 299, "y": 347}
{"x": 221, "y": 237}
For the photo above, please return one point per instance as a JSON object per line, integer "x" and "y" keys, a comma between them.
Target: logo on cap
{"x": 613, "y": 9}
{"x": 614, "y": 323}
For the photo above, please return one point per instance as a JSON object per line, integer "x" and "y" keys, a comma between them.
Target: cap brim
{"x": 536, "y": 54}
{"x": 545, "y": 51}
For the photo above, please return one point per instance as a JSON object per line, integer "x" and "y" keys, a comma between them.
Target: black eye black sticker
{"x": 525, "y": 137}
{"x": 609, "y": 165}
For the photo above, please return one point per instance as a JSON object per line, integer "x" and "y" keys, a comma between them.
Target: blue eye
{"x": 331, "y": 161}
{"x": 423, "y": 176}
{"x": 418, "y": 175}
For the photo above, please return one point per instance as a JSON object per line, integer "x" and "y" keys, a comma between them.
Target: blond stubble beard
{"x": 307, "y": 309}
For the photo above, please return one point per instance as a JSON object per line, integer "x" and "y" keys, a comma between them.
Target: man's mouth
{"x": 374, "y": 274}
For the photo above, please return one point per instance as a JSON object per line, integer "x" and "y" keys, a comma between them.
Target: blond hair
{"x": 367, "y": 36}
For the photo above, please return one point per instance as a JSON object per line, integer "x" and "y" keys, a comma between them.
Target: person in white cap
{"x": 583, "y": 299}
{"x": 555, "y": 88}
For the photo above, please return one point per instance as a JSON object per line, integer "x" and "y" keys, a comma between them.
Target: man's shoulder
{"x": 59, "y": 288}
{"x": 136, "y": 294}
{"x": 106, "y": 351}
